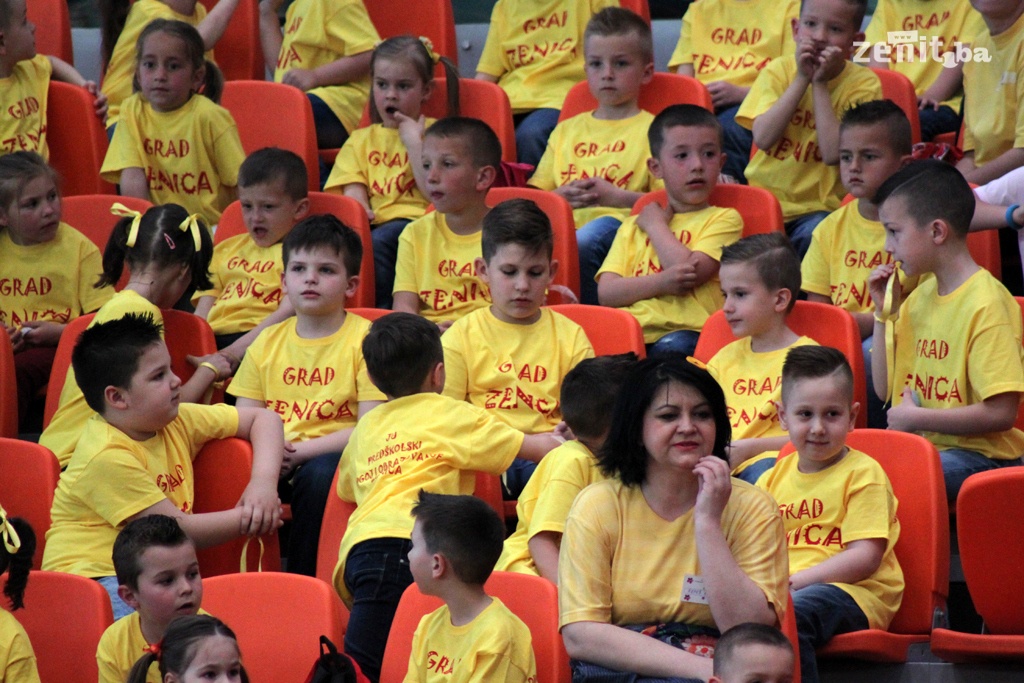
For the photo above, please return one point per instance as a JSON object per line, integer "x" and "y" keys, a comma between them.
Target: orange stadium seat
{"x": 759, "y": 209}
{"x": 610, "y": 330}
{"x": 899, "y": 89}
{"x": 28, "y": 478}
{"x": 984, "y": 248}
{"x": 53, "y": 28}
{"x": 1019, "y": 423}
{"x": 76, "y": 139}
{"x": 8, "y": 391}
{"x": 90, "y": 214}
{"x": 332, "y": 530}
{"x": 663, "y": 90}
{"x": 62, "y": 363}
{"x": 639, "y": 6}
{"x": 238, "y": 53}
{"x": 431, "y": 18}
{"x": 788, "y": 627}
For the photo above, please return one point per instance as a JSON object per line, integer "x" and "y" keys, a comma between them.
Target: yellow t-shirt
{"x": 61, "y": 435}
{"x": 793, "y": 169}
{"x": 419, "y": 441}
{"x": 438, "y": 265}
{"x": 535, "y": 49}
{"x": 246, "y": 284}
{"x": 955, "y": 365}
{"x": 622, "y": 564}
{"x": 112, "y": 477}
{"x": 375, "y": 157}
{"x": 50, "y": 281}
{"x": 514, "y": 371}
{"x": 23, "y": 110}
{"x": 120, "y": 647}
{"x": 318, "y": 32}
{"x": 495, "y": 646}
{"x": 994, "y": 111}
{"x": 949, "y": 21}
{"x": 315, "y": 385}
{"x": 823, "y": 511}
{"x": 632, "y": 255}
{"x": 17, "y": 659}
{"x": 732, "y": 40}
{"x": 585, "y": 147}
{"x": 117, "y": 82}
{"x": 545, "y": 501}
{"x": 190, "y": 156}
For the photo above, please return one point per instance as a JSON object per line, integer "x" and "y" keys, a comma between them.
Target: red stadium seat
{"x": 663, "y": 90}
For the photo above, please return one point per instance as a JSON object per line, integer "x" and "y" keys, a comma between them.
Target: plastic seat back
{"x": 8, "y": 391}
{"x": 759, "y": 209}
{"x": 239, "y": 53}
{"x": 610, "y": 330}
{"x": 788, "y": 627}
{"x": 28, "y": 478}
{"x": 76, "y": 140}
{"x": 638, "y": 6}
{"x": 332, "y": 530}
{"x": 1019, "y": 423}
{"x": 64, "y": 616}
{"x": 984, "y": 248}
{"x": 899, "y": 89}
{"x": 90, "y": 214}
{"x": 62, "y": 363}
{"x": 53, "y": 28}
{"x": 431, "y": 18}
{"x": 663, "y": 90}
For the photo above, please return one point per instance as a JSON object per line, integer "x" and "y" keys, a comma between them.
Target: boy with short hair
{"x": 310, "y": 370}
{"x": 760, "y": 277}
{"x": 455, "y": 543}
{"x": 246, "y": 269}
{"x": 663, "y": 264}
{"x": 588, "y": 395}
{"x": 844, "y": 575}
{"x": 418, "y": 439}
{"x": 753, "y": 652}
{"x": 435, "y": 273}
{"x": 793, "y": 110}
{"x": 956, "y": 374}
{"x": 510, "y": 357}
{"x": 135, "y": 456}
{"x": 158, "y": 576}
{"x": 597, "y": 161}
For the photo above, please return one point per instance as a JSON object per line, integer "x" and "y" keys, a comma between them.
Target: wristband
{"x": 1010, "y": 223}
{"x": 879, "y": 319}
{"x": 213, "y": 368}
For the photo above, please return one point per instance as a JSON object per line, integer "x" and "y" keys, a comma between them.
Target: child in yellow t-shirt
{"x": 956, "y": 374}
{"x": 793, "y": 109}
{"x": 724, "y": 44}
{"x": 533, "y": 52}
{"x": 247, "y": 269}
{"x": 172, "y": 145}
{"x": 324, "y": 52}
{"x": 587, "y": 397}
{"x": 25, "y": 81}
{"x": 510, "y": 358}
{"x": 436, "y": 271}
{"x": 417, "y": 440}
{"x": 158, "y": 578}
{"x": 663, "y": 264}
{"x": 17, "y": 659}
{"x": 135, "y": 456}
{"x": 597, "y": 161}
{"x": 455, "y": 542}
{"x": 837, "y": 506}
{"x": 47, "y": 271}
{"x": 310, "y": 370}
{"x": 760, "y": 277}
{"x": 379, "y": 166}
{"x": 753, "y": 652}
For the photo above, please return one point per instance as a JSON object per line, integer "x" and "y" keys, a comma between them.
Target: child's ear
{"x": 350, "y": 288}
{"x": 654, "y": 166}
{"x": 648, "y": 73}
{"x": 782, "y": 415}
{"x": 199, "y": 78}
{"x": 854, "y": 411}
{"x": 129, "y": 597}
{"x": 485, "y": 177}
{"x": 428, "y": 90}
{"x": 939, "y": 231}
{"x": 301, "y": 209}
{"x": 782, "y": 299}
{"x": 115, "y": 397}
{"x": 437, "y": 378}
{"x": 794, "y": 24}
{"x": 480, "y": 266}
{"x": 552, "y": 269}
{"x": 438, "y": 566}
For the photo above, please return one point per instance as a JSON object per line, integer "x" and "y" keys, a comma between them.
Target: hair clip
{"x": 696, "y": 363}
{"x": 119, "y": 209}
{"x": 434, "y": 57}
{"x": 170, "y": 242}
{"x": 191, "y": 224}
{"x": 154, "y": 649}
{"x": 12, "y": 542}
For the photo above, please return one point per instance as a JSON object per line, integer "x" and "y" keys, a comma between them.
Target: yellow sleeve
{"x": 491, "y": 61}
{"x": 498, "y": 666}
{"x": 495, "y": 444}
{"x": 870, "y": 507}
{"x": 405, "y": 262}
{"x": 16, "y": 653}
{"x": 123, "y": 151}
{"x": 566, "y": 479}
{"x": 881, "y": 22}
{"x": 115, "y": 485}
{"x": 585, "y": 564}
{"x": 724, "y": 228}
{"x": 544, "y": 177}
{"x": 621, "y": 255}
{"x": 765, "y": 92}
{"x": 683, "y": 54}
{"x": 413, "y": 673}
{"x": 456, "y": 374}
{"x": 248, "y": 382}
{"x": 366, "y": 390}
{"x": 349, "y": 166}
{"x": 228, "y": 154}
{"x": 815, "y": 270}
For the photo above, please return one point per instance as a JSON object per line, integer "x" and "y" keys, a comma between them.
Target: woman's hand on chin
{"x": 714, "y": 485}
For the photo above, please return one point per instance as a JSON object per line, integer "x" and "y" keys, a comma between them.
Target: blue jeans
{"x": 593, "y": 240}
{"x": 801, "y": 228}
{"x": 736, "y": 143}
{"x": 310, "y": 486}
{"x": 933, "y": 122}
{"x": 120, "y": 607}
{"x": 330, "y": 131}
{"x": 876, "y": 406}
{"x": 385, "y": 255}
{"x": 376, "y": 574}
{"x": 960, "y": 463}
{"x": 822, "y": 611}
{"x": 516, "y": 477}
{"x": 532, "y": 131}
{"x": 752, "y": 473}
{"x": 682, "y": 342}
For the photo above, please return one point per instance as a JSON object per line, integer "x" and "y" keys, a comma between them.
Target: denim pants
{"x": 119, "y": 606}
{"x": 330, "y": 131}
{"x": 680, "y": 342}
{"x": 385, "y": 256}
{"x": 959, "y": 463}
{"x": 876, "y": 406}
{"x": 376, "y": 574}
{"x": 800, "y": 230}
{"x": 594, "y": 240}
{"x": 935, "y": 122}
{"x": 822, "y": 611}
{"x": 310, "y": 486}
{"x": 532, "y": 131}
{"x": 736, "y": 143}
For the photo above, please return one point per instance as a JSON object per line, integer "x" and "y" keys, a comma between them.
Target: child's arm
{"x": 213, "y": 26}
{"x": 877, "y": 283}
{"x": 409, "y": 302}
{"x": 826, "y": 123}
{"x": 344, "y": 70}
{"x": 544, "y": 546}
{"x": 360, "y": 193}
{"x": 271, "y": 37}
{"x": 261, "y": 508}
{"x": 206, "y": 529}
{"x": 238, "y": 348}
{"x": 600, "y": 192}
{"x": 856, "y": 562}
{"x": 134, "y": 184}
{"x": 742, "y": 450}
{"x": 945, "y": 85}
{"x": 1004, "y": 163}
{"x": 481, "y": 76}
{"x": 770, "y": 126}
{"x": 194, "y": 390}
{"x": 994, "y": 414}
{"x": 64, "y": 72}
{"x": 410, "y": 131}
{"x": 335, "y": 442}
{"x": 37, "y": 333}
{"x": 536, "y": 446}
{"x": 625, "y": 650}
{"x": 204, "y": 305}
{"x": 992, "y": 216}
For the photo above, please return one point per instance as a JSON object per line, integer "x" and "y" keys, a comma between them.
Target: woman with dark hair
{"x": 670, "y": 546}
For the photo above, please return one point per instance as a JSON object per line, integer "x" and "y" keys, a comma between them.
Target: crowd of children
{"x": 618, "y": 465}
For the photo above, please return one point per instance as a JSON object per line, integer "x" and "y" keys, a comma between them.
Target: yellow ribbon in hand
{"x": 11, "y": 540}
{"x": 889, "y": 308}
{"x": 119, "y": 209}
{"x": 191, "y": 224}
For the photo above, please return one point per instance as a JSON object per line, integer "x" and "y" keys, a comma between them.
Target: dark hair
{"x": 686, "y": 115}
{"x": 465, "y": 530}
{"x": 108, "y": 354}
{"x": 113, "y": 16}
{"x": 412, "y": 50}
{"x": 813, "y": 362}
{"x": 480, "y": 140}
{"x": 774, "y": 258}
{"x": 273, "y": 165}
{"x": 885, "y": 113}
{"x": 516, "y": 221}
{"x": 136, "y": 538}
{"x": 161, "y": 242}
{"x": 932, "y": 190}
{"x": 326, "y": 231}
{"x": 195, "y": 54}
{"x": 589, "y": 392}
{"x": 401, "y": 350}
{"x": 745, "y": 634}
{"x": 623, "y": 454}
{"x": 17, "y": 170}
{"x": 179, "y": 645}
{"x": 618, "y": 21}
{"x": 858, "y": 18}
{"x": 17, "y": 564}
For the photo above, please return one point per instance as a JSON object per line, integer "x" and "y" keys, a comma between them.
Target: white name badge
{"x": 693, "y": 590}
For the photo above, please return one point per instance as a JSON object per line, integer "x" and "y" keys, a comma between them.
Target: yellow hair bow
{"x": 696, "y": 363}
{"x": 191, "y": 224}
{"x": 11, "y": 540}
{"x": 434, "y": 57}
{"x": 119, "y": 209}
